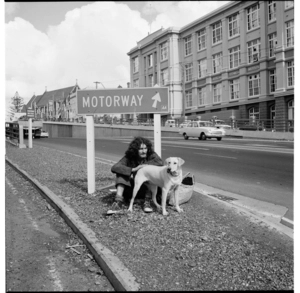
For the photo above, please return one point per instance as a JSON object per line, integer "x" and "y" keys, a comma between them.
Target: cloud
{"x": 11, "y": 8}
{"x": 179, "y": 13}
{"x": 89, "y": 45}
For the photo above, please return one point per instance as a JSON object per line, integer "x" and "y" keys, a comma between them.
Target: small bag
{"x": 184, "y": 190}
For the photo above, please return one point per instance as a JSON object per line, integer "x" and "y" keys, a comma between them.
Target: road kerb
{"x": 119, "y": 276}
{"x": 273, "y": 222}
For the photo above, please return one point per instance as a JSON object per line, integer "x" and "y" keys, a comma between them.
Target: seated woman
{"x": 139, "y": 153}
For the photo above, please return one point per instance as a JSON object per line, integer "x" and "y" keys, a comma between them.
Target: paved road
{"x": 36, "y": 239}
{"x": 258, "y": 169}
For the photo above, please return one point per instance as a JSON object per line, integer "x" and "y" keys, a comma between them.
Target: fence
{"x": 273, "y": 125}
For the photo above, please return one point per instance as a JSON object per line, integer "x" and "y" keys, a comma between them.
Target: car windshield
{"x": 205, "y": 124}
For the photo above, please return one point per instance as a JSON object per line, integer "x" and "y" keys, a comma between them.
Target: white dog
{"x": 164, "y": 177}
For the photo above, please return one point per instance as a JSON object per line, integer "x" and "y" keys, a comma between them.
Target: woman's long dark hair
{"x": 132, "y": 152}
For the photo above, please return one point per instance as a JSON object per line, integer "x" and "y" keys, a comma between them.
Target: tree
{"x": 16, "y": 106}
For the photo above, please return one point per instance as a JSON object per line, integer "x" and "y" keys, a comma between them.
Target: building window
{"x": 188, "y": 99}
{"x": 254, "y": 85}
{"x": 253, "y": 113}
{"x": 217, "y": 92}
{"x": 202, "y": 68}
{"x": 217, "y": 32}
{"x": 150, "y": 60}
{"x": 273, "y": 81}
{"x": 271, "y": 11}
{"x": 188, "y": 46}
{"x": 234, "y": 25}
{"x": 151, "y": 80}
{"x": 290, "y": 73}
{"x": 253, "y": 17}
{"x": 201, "y": 39}
{"x": 135, "y": 64}
{"x": 289, "y": 4}
{"x": 272, "y": 44}
{"x": 136, "y": 83}
{"x": 164, "y": 51}
{"x": 188, "y": 72}
{"x": 289, "y": 33}
{"x": 234, "y": 57}
{"x": 217, "y": 63}
{"x": 253, "y": 51}
{"x": 234, "y": 89}
{"x": 202, "y": 96}
{"x": 164, "y": 76}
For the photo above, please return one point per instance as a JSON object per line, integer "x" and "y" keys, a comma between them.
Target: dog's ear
{"x": 180, "y": 161}
{"x": 166, "y": 161}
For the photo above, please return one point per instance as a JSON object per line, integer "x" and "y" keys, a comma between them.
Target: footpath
{"x": 217, "y": 243}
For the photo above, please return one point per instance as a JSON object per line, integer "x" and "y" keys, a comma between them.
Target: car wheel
{"x": 203, "y": 136}
{"x": 219, "y": 138}
{"x": 185, "y": 136}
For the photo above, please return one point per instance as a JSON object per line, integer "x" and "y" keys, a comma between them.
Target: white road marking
{"x": 264, "y": 145}
{"x": 247, "y": 148}
{"x": 215, "y": 156}
{"x": 54, "y": 274}
{"x": 100, "y": 160}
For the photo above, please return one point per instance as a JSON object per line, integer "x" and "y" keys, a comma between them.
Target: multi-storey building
{"x": 236, "y": 62}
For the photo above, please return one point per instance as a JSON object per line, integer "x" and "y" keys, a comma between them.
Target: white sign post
{"x": 30, "y": 133}
{"x": 120, "y": 101}
{"x": 90, "y": 147}
{"x": 157, "y": 134}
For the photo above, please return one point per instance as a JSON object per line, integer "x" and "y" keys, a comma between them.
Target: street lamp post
{"x": 96, "y": 82}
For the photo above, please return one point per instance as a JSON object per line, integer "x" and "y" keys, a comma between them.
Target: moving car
{"x": 184, "y": 124}
{"x": 202, "y": 130}
{"x": 44, "y": 133}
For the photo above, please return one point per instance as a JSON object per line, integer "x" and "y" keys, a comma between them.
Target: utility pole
{"x": 96, "y": 82}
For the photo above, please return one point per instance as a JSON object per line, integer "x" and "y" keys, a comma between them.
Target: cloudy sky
{"x": 53, "y": 44}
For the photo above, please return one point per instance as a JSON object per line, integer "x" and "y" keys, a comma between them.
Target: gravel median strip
{"x": 208, "y": 247}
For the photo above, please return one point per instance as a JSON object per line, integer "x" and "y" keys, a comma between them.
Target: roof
{"x": 33, "y": 99}
{"x": 23, "y": 110}
{"x": 56, "y": 95}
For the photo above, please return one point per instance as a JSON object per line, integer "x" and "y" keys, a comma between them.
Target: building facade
{"x": 235, "y": 63}
{"x": 59, "y": 104}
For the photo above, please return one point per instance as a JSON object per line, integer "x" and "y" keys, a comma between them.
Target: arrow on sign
{"x": 156, "y": 99}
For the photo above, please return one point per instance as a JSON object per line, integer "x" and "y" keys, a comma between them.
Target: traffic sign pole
{"x": 157, "y": 134}
{"x": 90, "y": 146}
{"x": 30, "y": 133}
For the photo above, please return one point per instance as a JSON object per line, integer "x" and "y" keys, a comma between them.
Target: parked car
{"x": 44, "y": 134}
{"x": 184, "y": 124}
{"x": 36, "y": 132}
{"x": 221, "y": 124}
{"x": 170, "y": 123}
{"x": 202, "y": 130}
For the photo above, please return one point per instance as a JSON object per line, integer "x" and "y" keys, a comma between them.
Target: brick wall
{"x": 263, "y": 111}
{"x": 281, "y": 114}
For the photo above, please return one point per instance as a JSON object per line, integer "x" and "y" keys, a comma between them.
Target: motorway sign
{"x": 123, "y": 101}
